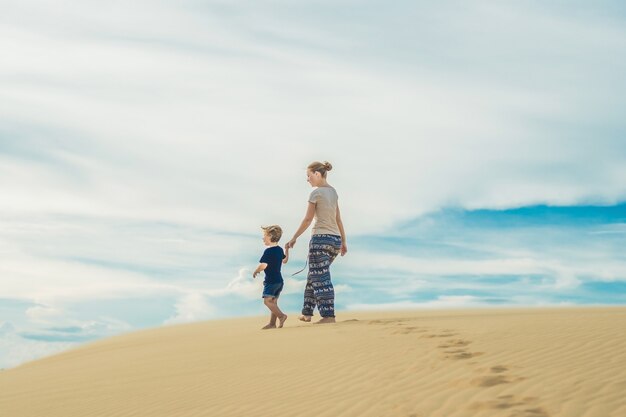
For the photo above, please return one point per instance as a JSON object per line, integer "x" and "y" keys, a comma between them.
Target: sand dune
{"x": 514, "y": 363}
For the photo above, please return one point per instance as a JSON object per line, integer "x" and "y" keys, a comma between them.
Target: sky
{"x": 479, "y": 152}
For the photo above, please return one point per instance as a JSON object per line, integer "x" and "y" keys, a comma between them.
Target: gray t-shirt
{"x": 325, "y": 200}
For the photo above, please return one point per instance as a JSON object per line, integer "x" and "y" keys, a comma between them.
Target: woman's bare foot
{"x": 305, "y": 318}
{"x": 324, "y": 320}
{"x": 268, "y": 326}
{"x": 281, "y": 320}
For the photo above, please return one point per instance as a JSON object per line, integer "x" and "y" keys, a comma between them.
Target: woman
{"x": 328, "y": 240}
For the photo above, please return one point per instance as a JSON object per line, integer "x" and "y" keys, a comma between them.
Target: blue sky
{"x": 479, "y": 153}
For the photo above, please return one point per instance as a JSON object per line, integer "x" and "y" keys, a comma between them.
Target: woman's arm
{"x": 306, "y": 222}
{"x": 344, "y": 245}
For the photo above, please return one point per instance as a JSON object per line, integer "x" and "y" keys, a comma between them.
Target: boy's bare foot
{"x": 281, "y": 320}
{"x": 325, "y": 320}
{"x": 305, "y": 318}
{"x": 268, "y": 326}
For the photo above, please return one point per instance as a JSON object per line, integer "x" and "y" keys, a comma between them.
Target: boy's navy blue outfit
{"x": 273, "y": 284}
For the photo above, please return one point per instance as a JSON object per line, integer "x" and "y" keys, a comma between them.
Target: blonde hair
{"x": 321, "y": 167}
{"x": 273, "y": 231}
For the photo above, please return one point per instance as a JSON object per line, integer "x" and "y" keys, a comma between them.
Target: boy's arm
{"x": 286, "y": 258}
{"x": 258, "y": 269}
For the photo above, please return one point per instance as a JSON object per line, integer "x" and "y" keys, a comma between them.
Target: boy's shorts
{"x": 272, "y": 290}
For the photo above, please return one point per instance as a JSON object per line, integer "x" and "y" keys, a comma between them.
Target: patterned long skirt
{"x": 319, "y": 291}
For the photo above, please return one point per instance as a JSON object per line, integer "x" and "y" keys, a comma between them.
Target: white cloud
{"x": 15, "y": 350}
{"x": 565, "y": 267}
{"x": 6, "y": 328}
{"x": 417, "y": 266}
{"x": 17, "y": 347}
{"x": 611, "y": 229}
{"x": 191, "y": 307}
{"x": 180, "y": 84}
{"x": 43, "y": 313}
{"x": 50, "y": 331}
{"x": 30, "y": 278}
{"x": 243, "y": 285}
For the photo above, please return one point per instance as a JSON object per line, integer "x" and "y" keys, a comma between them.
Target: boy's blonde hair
{"x": 274, "y": 232}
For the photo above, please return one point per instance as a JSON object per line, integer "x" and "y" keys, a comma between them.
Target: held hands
{"x": 290, "y": 244}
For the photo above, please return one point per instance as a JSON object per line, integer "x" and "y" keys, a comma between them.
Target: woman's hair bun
{"x": 321, "y": 167}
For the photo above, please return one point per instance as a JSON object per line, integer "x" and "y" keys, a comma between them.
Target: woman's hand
{"x": 344, "y": 248}
{"x": 291, "y": 244}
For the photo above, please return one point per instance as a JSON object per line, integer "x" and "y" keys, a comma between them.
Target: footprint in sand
{"x": 409, "y": 330}
{"x": 531, "y": 412}
{"x": 490, "y": 381}
{"x": 430, "y": 336}
{"x": 503, "y": 402}
{"x": 462, "y": 354}
{"x": 454, "y": 343}
{"x": 523, "y": 407}
{"x": 387, "y": 321}
{"x": 495, "y": 369}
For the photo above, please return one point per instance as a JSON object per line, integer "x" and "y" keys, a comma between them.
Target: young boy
{"x": 270, "y": 262}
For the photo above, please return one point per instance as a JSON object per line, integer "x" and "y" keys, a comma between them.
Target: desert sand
{"x": 508, "y": 362}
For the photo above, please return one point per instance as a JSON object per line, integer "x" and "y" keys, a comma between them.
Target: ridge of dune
{"x": 505, "y": 362}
